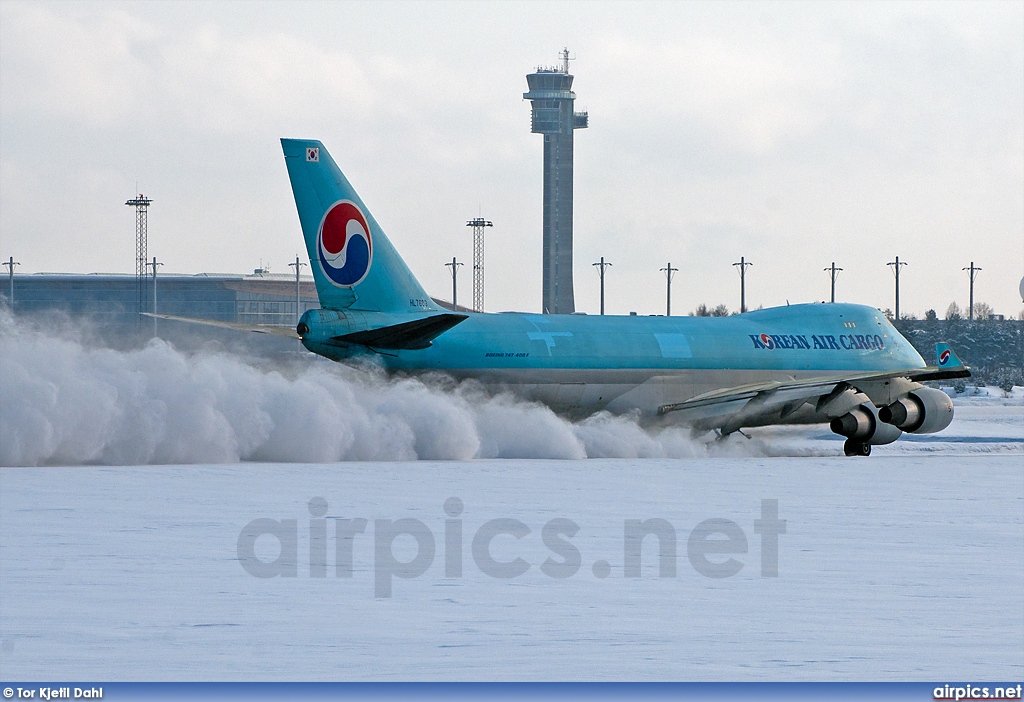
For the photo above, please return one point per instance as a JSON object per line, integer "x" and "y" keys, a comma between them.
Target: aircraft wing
{"x": 809, "y": 387}
{"x": 288, "y": 331}
{"x": 795, "y": 392}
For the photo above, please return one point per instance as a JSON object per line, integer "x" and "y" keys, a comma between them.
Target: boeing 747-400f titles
{"x": 840, "y": 364}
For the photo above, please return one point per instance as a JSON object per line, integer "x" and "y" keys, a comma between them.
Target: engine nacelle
{"x": 861, "y": 424}
{"x": 924, "y": 411}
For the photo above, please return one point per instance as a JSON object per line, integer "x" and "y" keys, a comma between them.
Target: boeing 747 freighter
{"x": 838, "y": 364}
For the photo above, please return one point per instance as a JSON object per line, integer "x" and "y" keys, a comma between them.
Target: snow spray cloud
{"x": 64, "y": 402}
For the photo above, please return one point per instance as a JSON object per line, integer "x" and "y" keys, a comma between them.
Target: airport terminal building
{"x": 109, "y": 303}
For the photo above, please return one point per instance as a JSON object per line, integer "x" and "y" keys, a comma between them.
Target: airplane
{"x": 844, "y": 365}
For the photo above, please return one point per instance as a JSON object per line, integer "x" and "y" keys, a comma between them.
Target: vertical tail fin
{"x": 353, "y": 263}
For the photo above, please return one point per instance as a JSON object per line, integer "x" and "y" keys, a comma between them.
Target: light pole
{"x": 743, "y": 282}
{"x": 154, "y": 264}
{"x": 973, "y": 274}
{"x": 600, "y": 270}
{"x": 668, "y": 270}
{"x": 11, "y": 263}
{"x": 834, "y": 272}
{"x": 298, "y": 290}
{"x": 454, "y": 265}
{"x": 896, "y": 265}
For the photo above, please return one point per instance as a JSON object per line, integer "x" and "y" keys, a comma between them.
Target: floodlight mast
{"x": 141, "y": 205}
{"x": 478, "y": 224}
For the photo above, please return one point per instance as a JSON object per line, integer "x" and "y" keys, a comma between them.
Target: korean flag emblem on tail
{"x": 313, "y": 153}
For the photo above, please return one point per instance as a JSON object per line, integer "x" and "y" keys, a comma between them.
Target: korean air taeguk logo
{"x": 944, "y": 357}
{"x": 344, "y": 244}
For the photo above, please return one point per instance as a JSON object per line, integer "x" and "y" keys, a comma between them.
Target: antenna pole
{"x": 154, "y": 264}
{"x": 600, "y": 270}
{"x": 11, "y": 263}
{"x": 454, "y": 265}
{"x": 896, "y": 265}
{"x": 743, "y": 263}
{"x": 298, "y": 289}
{"x": 834, "y": 272}
{"x": 973, "y": 273}
{"x": 668, "y": 270}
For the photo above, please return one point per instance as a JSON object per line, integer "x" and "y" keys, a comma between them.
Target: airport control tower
{"x": 553, "y": 117}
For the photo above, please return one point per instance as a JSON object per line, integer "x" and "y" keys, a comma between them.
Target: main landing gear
{"x": 856, "y": 448}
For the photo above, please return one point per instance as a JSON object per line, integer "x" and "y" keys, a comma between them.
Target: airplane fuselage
{"x": 580, "y": 364}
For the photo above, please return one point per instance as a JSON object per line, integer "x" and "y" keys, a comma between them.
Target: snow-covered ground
{"x": 903, "y": 566}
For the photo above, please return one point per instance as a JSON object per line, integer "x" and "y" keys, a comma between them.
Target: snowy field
{"x": 891, "y": 568}
{"x": 130, "y": 550}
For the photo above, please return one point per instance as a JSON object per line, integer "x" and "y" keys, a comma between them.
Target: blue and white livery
{"x": 840, "y": 364}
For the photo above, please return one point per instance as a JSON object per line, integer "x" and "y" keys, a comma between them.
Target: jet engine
{"x": 924, "y": 411}
{"x": 862, "y": 429}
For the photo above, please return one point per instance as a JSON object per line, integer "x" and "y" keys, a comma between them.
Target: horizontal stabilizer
{"x": 937, "y": 373}
{"x": 408, "y": 335}
{"x": 274, "y": 329}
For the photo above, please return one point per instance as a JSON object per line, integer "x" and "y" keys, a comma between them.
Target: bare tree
{"x": 982, "y": 310}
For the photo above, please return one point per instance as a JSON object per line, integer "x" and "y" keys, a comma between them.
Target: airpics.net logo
{"x": 269, "y": 548}
{"x": 976, "y": 692}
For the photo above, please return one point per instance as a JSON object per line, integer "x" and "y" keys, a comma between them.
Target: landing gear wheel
{"x": 856, "y": 448}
